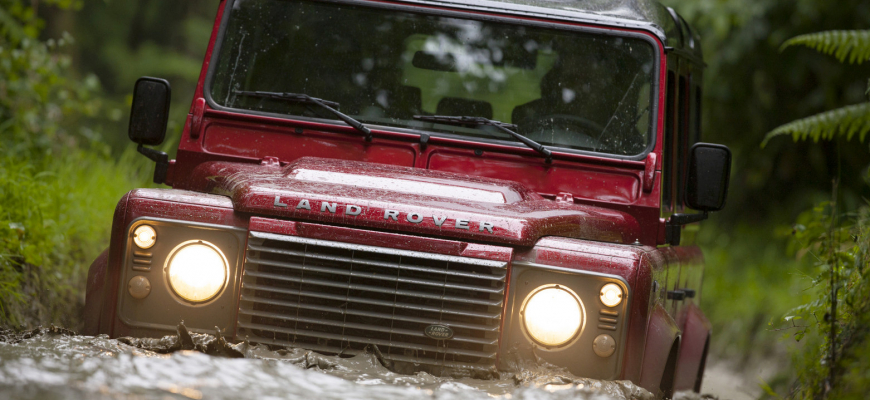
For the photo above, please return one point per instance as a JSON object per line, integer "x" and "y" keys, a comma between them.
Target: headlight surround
{"x": 197, "y": 271}
{"x": 553, "y": 315}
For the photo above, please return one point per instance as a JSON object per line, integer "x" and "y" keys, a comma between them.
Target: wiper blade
{"x": 477, "y": 121}
{"x": 330, "y": 106}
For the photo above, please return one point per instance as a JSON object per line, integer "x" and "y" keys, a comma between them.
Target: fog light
{"x": 552, "y": 315}
{"x": 604, "y": 345}
{"x": 611, "y": 295}
{"x": 139, "y": 287}
{"x": 144, "y": 236}
{"x": 197, "y": 271}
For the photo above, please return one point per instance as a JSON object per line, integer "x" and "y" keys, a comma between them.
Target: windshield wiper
{"x": 477, "y": 121}
{"x": 330, "y": 106}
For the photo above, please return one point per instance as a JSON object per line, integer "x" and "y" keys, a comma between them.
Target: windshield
{"x": 567, "y": 89}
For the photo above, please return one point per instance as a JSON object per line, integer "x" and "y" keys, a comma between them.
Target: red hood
{"x": 432, "y": 203}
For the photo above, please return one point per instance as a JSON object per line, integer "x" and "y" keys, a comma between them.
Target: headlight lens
{"x": 611, "y": 295}
{"x": 197, "y": 271}
{"x": 552, "y": 315}
{"x": 144, "y": 236}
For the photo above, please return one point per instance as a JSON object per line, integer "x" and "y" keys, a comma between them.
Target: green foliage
{"x": 38, "y": 99}
{"x": 748, "y": 281}
{"x": 846, "y": 121}
{"x": 121, "y": 40}
{"x": 853, "y": 341}
{"x": 57, "y": 184}
{"x": 54, "y": 220}
{"x": 845, "y": 45}
{"x": 839, "y": 246}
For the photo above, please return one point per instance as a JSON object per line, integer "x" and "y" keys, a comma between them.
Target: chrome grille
{"x": 338, "y": 298}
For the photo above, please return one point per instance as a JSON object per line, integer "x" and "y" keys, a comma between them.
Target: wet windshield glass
{"x": 566, "y": 89}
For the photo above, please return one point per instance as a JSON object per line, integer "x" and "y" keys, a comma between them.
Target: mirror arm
{"x": 162, "y": 160}
{"x": 673, "y": 231}
{"x": 684, "y": 219}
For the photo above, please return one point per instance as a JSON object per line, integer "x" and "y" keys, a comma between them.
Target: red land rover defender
{"x": 455, "y": 182}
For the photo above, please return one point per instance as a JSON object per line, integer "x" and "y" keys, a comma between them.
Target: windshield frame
{"x": 439, "y": 10}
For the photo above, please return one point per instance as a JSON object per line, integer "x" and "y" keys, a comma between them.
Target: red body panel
{"x": 581, "y": 212}
{"x": 94, "y": 294}
{"x": 662, "y": 334}
{"x": 517, "y": 215}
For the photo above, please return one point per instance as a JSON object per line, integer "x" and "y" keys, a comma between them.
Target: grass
{"x": 55, "y": 218}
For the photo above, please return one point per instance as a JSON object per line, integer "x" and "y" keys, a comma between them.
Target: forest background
{"x": 67, "y": 69}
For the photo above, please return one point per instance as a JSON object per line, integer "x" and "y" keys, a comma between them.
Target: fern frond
{"x": 847, "y": 121}
{"x": 852, "y": 45}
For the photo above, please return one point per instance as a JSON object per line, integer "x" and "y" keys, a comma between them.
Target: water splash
{"x": 54, "y": 363}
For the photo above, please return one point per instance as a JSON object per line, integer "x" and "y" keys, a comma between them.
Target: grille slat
{"x": 339, "y": 298}
{"x": 348, "y": 338}
{"x": 374, "y": 276}
{"x": 369, "y": 288}
{"x": 365, "y": 313}
{"x": 374, "y": 328}
{"x": 370, "y": 301}
{"x": 494, "y": 277}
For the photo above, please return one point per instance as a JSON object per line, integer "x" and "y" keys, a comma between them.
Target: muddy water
{"x": 57, "y": 364}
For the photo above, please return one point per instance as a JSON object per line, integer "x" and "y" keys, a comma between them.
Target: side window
{"x": 667, "y": 149}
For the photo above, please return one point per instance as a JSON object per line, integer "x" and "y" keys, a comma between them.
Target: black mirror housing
{"x": 150, "y": 111}
{"x": 709, "y": 172}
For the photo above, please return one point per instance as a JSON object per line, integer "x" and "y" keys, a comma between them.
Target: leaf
{"x": 767, "y": 389}
{"x": 853, "y": 45}
{"x": 846, "y": 121}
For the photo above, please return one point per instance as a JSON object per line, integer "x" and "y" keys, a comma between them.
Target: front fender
{"x": 695, "y": 333}
{"x": 94, "y": 294}
{"x": 661, "y": 334}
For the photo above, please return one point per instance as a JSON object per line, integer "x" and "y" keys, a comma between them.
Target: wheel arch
{"x": 663, "y": 343}
{"x": 693, "y": 350}
{"x": 666, "y": 385}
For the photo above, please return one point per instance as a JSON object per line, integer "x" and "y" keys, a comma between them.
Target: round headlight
{"x": 552, "y": 315}
{"x": 611, "y": 295}
{"x": 144, "y": 236}
{"x": 197, "y": 271}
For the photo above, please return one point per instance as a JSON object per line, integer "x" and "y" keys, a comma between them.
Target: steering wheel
{"x": 563, "y": 129}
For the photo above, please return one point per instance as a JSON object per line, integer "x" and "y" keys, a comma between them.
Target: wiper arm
{"x": 477, "y": 121}
{"x": 330, "y": 106}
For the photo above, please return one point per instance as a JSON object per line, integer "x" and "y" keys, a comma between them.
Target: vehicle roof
{"x": 649, "y": 15}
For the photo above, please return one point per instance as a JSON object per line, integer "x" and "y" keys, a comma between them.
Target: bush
{"x": 58, "y": 184}
{"x": 56, "y": 218}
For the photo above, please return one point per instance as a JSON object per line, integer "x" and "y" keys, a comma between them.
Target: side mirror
{"x": 709, "y": 170}
{"x": 148, "y": 118}
{"x": 150, "y": 111}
